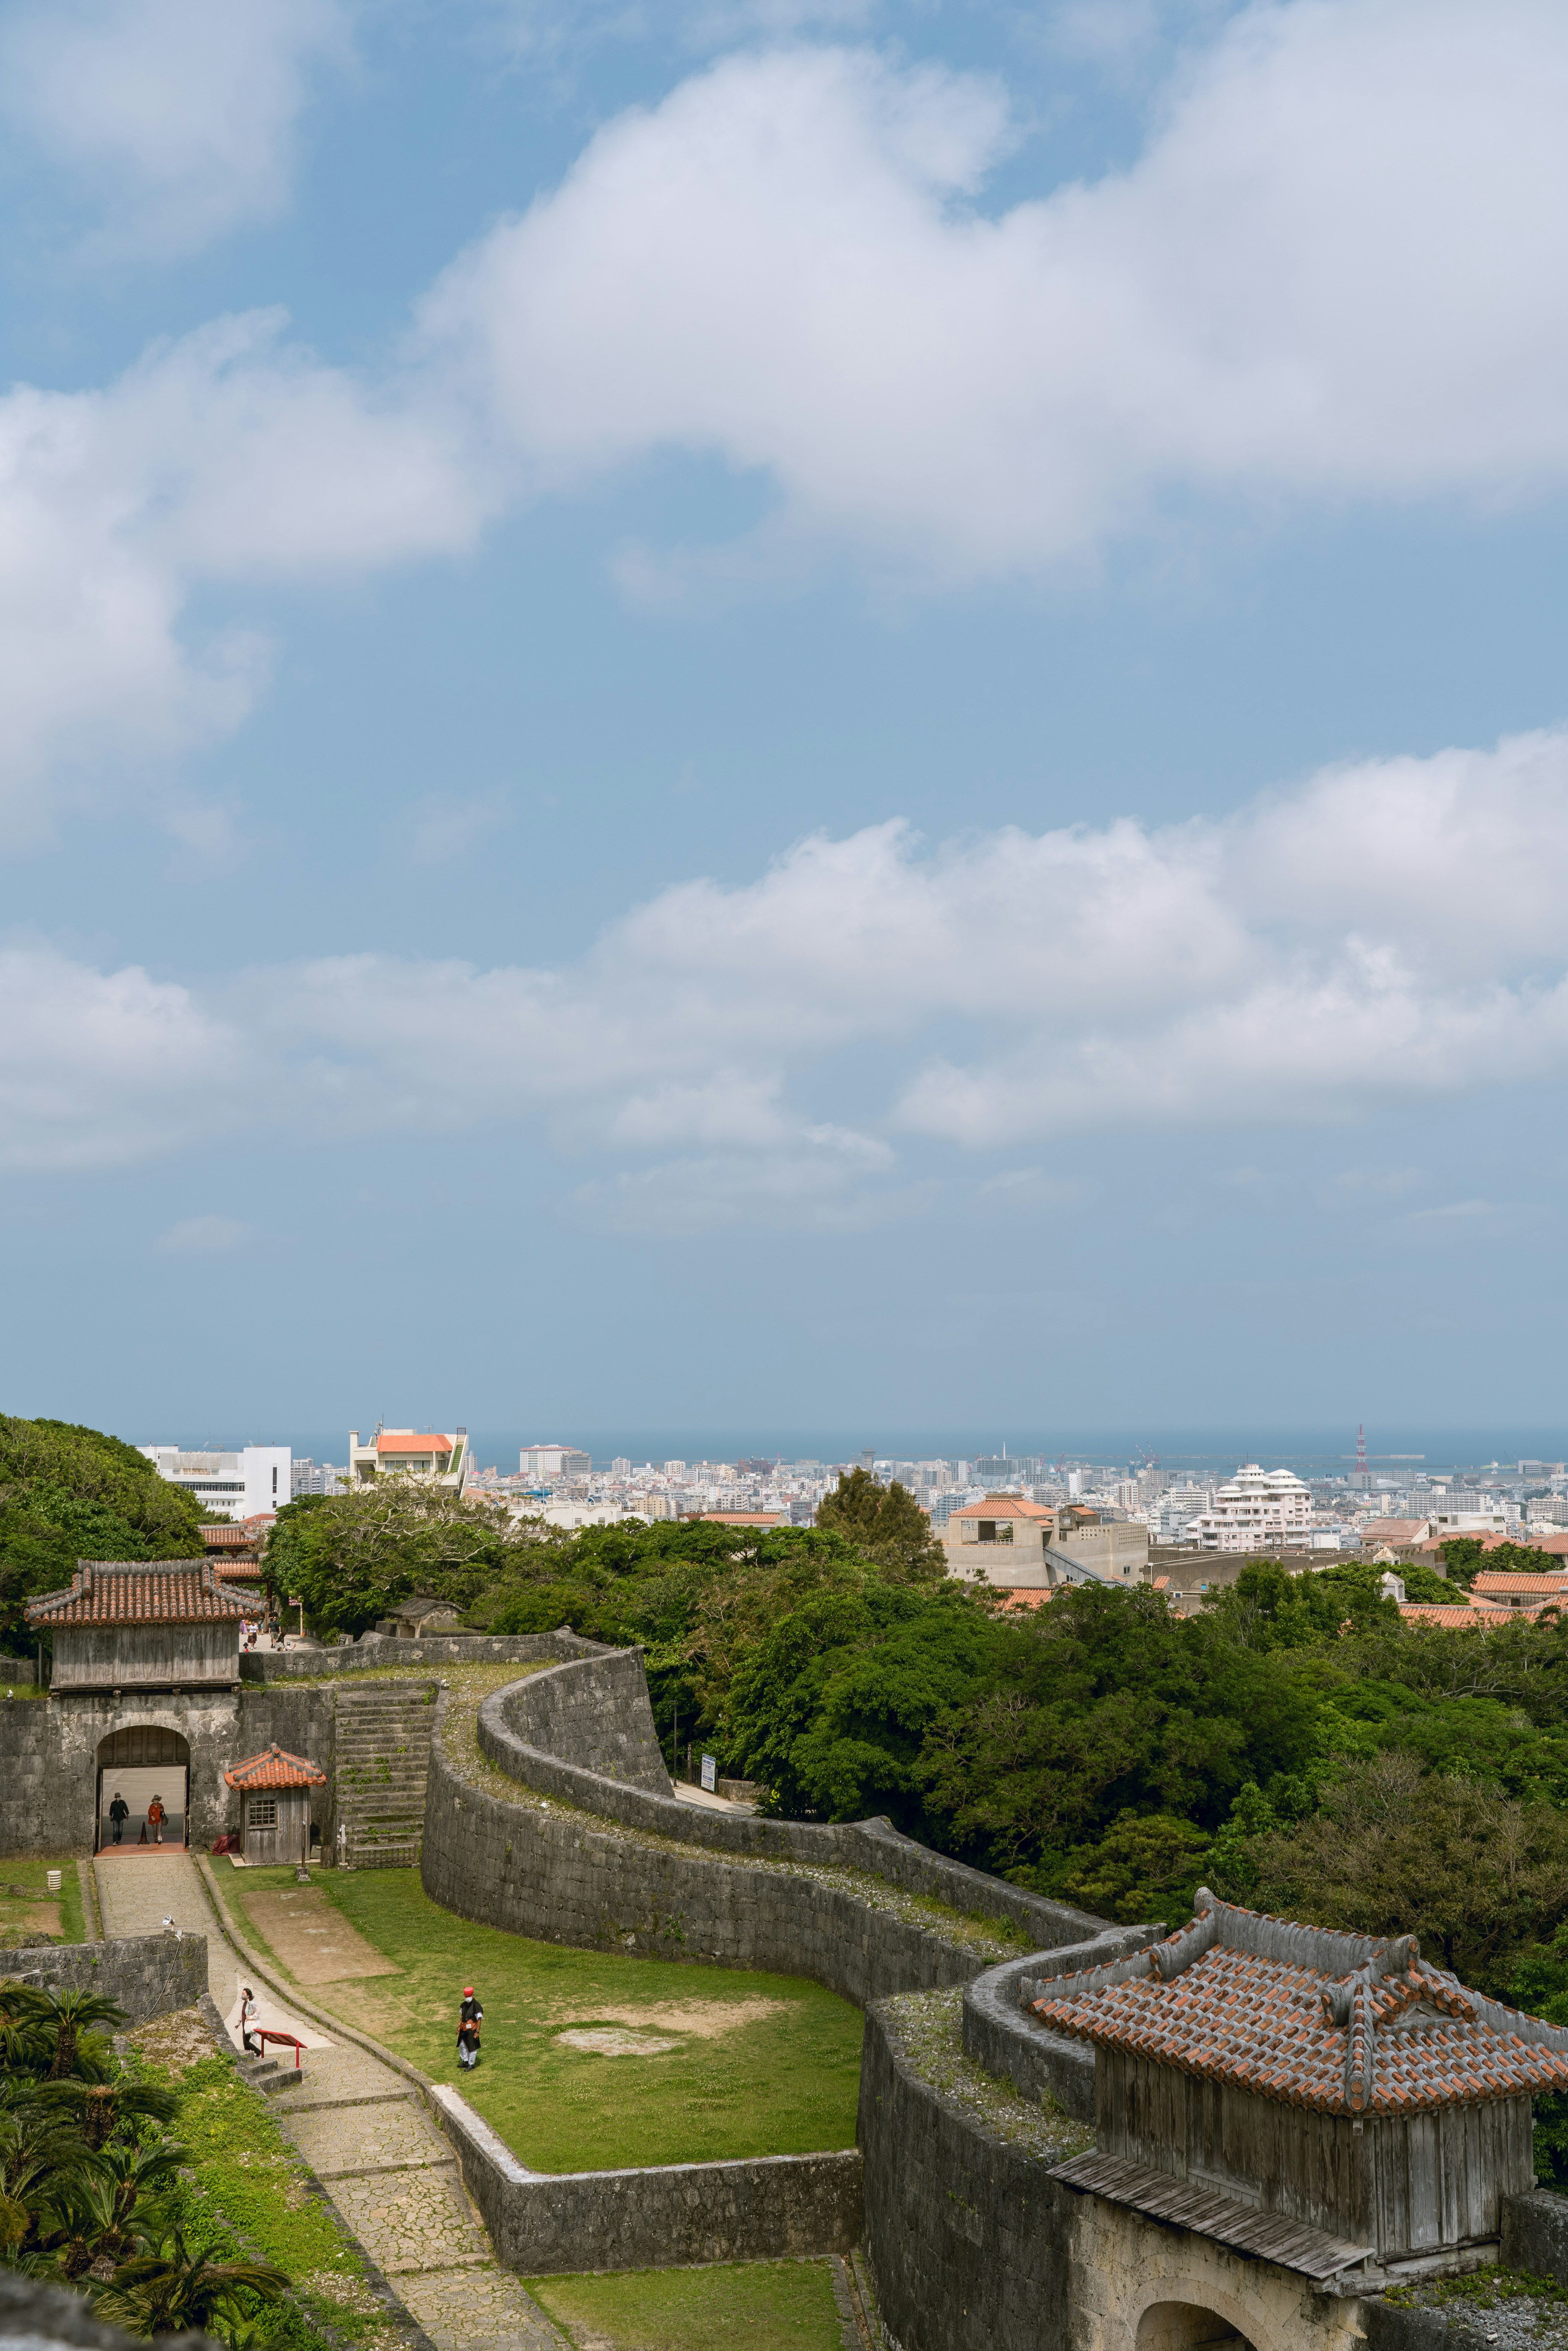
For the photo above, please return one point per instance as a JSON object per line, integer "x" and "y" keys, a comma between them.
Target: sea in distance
{"x": 1397, "y": 1453}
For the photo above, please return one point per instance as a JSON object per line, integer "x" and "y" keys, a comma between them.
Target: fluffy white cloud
{"x": 1382, "y": 936}
{"x": 226, "y": 456}
{"x": 182, "y": 116}
{"x": 1339, "y": 268}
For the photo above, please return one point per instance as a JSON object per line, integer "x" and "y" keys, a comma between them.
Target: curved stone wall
{"x": 584, "y": 1731}
{"x": 563, "y": 1877}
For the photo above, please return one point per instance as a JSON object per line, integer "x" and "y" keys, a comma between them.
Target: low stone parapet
{"x": 766, "y": 2208}
{"x": 146, "y": 1975}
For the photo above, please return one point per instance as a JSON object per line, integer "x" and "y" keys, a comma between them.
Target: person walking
{"x": 247, "y": 2021}
{"x": 118, "y": 1812}
{"x": 156, "y": 1816}
{"x": 470, "y": 2017}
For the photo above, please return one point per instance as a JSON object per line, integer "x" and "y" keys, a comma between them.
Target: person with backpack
{"x": 156, "y": 1816}
{"x": 470, "y": 2017}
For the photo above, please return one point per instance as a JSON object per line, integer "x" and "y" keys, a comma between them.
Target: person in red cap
{"x": 470, "y": 2017}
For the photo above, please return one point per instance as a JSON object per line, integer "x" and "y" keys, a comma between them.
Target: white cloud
{"x": 179, "y": 115}
{"x": 202, "y": 1237}
{"x": 226, "y": 456}
{"x": 1200, "y": 975}
{"x": 101, "y": 1069}
{"x": 1339, "y": 268}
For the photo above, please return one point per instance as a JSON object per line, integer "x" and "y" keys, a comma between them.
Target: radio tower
{"x": 1360, "y": 1469}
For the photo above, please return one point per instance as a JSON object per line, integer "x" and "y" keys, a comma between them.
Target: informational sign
{"x": 710, "y": 1773}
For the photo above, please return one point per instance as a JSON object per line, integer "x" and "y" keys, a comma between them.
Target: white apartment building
{"x": 439, "y": 1456}
{"x": 1266, "y": 1508}
{"x": 554, "y": 1461}
{"x": 257, "y": 1478}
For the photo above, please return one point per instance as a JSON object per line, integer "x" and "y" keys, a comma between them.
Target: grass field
{"x": 766, "y": 2305}
{"x": 717, "y": 2063}
{"x": 29, "y": 1911}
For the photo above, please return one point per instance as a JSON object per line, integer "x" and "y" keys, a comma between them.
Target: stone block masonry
{"x": 146, "y": 1975}
{"x": 563, "y": 1878}
{"x": 374, "y": 1653}
{"x": 769, "y": 2209}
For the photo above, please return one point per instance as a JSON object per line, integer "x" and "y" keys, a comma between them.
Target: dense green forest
{"x": 70, "y": 1493}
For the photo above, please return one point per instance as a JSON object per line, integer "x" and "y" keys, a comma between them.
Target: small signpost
{"x": 710, "y": 1773}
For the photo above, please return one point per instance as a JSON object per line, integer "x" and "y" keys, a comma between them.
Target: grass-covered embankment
{"x": 29, "y": 1913}
{"x": 715, "y": 2064}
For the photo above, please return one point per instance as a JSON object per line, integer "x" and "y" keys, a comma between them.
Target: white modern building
{"x": 441, "y": 1457}
{"x": 553, "y": 1461}
{"x": 1262, "y": 1509}
{"x": 258, "y": 1477}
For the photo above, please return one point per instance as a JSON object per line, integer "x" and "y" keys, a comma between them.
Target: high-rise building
{"x": 621, "y": 1467}
{"x": 241, "y": 1483}
{"x": 553, "y": 1461}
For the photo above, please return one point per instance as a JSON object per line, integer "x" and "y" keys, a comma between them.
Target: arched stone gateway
{"x": 139, "y": 1762}
{"x": 1187, "y": 2326}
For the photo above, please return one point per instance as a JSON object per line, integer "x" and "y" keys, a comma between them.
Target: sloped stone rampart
{"x": 768, "y": 2208}
{"x": 554, "y": 1731}
{"x": 558, "y": 1876}
{"x": 146, "y": 1975}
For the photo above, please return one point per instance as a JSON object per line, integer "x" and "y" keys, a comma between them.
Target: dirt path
{"x": 366, "y": 2135}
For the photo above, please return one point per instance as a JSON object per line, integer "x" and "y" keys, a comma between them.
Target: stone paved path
{"x": 366, "y": 2136}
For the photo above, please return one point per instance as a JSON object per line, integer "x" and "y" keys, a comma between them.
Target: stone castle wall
{"x": 146, "y": 1975}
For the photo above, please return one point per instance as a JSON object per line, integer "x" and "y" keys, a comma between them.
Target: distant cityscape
{"x": 1256, "y": 1508}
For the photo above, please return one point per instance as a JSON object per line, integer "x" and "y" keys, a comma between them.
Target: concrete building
{"x": 1005, "y": 1539}
{"x": 441, "y": 1458}
{"x": 1258, "y": 1510}
{"x": 557, "y": 1461}
{"x": 257, "y": 1478}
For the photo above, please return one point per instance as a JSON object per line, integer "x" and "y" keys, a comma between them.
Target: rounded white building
{"x": 1258, "y": 1510}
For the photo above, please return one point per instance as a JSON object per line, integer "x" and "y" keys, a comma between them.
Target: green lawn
{"x": 756, "y": 2065}
{"x": 29, "y": 1911}
{"x": 766, "y": 2305}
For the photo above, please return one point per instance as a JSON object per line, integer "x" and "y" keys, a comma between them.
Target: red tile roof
{"x": 1456, "y": 1618}
{"x": 1500, "y": 1584}
{"x": 743, "y": 1517}
{"x": 401, "y": 1440}
{"x": 1340, "y": 2024}
{"x": 276, "y": 1768}
{"x": 126, "y": 1592}
{"x": 1021, "y": 1597}
{"x": 225, "y": 1537}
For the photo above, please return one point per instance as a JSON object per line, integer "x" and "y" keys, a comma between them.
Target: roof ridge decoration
{"x": 104, "y": 1592}
{"x": 1314, "y": 2016}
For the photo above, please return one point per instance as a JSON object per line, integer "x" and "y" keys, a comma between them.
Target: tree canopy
{"x": 70, "y": 1493}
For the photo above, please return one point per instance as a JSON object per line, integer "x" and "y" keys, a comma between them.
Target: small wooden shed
{"x": 276, "y": 1791}
{"x": 1284, "y": 2086}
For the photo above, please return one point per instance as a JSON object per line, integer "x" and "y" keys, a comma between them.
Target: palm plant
{"x": 70, "y": 2015}
{"x": 104, "y": 2107}
{"x": 172, "y": 2289}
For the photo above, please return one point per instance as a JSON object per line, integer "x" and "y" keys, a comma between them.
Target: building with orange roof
{"x": 1456, "y": 1617}
{"x": 1504, "y": 1590}
{"x": 1006, "y": 1539}
{"x": 276, "y": 1791}
{"x": 438, "y": 1457}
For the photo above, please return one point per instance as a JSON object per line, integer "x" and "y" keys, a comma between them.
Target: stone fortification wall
{"x": 22, "y": 1671}
{"x": 147, "y": 1975}
{"x": 556, "y": 1731}
{"x": 1043, "y": 2065}
{"x": 49, "y": 1767}
{"x": 374, "y": 1652}
{"x": 768, "y": 2208}
{"x": 967, "y": 2236}
{"x": 564, "y": 1878}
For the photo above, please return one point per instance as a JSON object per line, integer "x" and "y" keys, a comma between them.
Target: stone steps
{"x": 382, "y": 1763}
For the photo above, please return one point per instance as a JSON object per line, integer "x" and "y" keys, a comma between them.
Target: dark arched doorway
{"x": 1187, "y": 2326}
{"x": 144, "y": 1760}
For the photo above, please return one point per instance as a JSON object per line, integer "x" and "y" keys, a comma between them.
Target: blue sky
{"x": 767, "y": 716}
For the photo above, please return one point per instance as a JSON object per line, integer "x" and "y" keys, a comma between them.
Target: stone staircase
{"x": 384, "y": 1732}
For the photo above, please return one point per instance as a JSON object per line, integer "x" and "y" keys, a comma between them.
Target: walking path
{"x": 364, "y": 2133}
